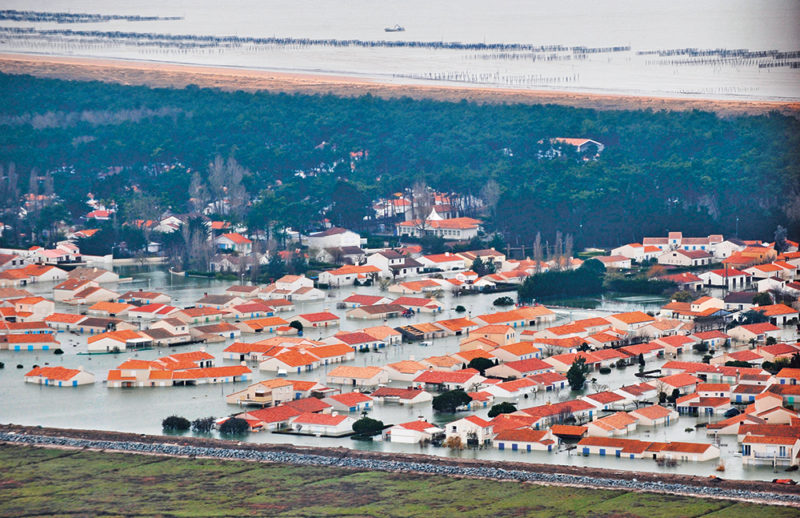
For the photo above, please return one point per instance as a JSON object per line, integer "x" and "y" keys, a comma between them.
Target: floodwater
{"x": 141, "y": 410}
{"x": 636, "y": 30}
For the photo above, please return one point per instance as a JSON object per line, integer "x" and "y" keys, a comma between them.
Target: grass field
{"x": 38, "y": 481}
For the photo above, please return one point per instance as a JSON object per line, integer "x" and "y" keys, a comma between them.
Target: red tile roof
{"x": 322, "y": 316}
{"x": 397, "y": 392}
{"x": 351, "y": 399}
{"x": 439, "y": 377}
{"x": 478, "y": 421}
{"x": 308, "y": 405}
{"x": 236, "y": 238}
{"x": 419, "y": 426}
{"x": 521, "y": 435}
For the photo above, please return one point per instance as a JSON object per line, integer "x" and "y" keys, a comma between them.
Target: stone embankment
{"x": 751, "y": 491}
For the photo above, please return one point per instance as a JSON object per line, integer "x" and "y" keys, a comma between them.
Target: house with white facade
{"x": 413, "y": 432}
{"x": 470, "y": 430}
{"x": 59, "y": 377}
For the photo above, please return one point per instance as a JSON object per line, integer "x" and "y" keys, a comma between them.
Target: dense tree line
{"x": 690, "y": 171}
{"x": 586, "y": 280}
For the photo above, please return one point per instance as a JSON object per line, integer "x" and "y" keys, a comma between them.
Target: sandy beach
{"x": 157, "y": 74}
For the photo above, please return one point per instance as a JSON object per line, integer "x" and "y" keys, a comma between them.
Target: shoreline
{"x": 541, "y": 474}
{"x": 172, "y": 75}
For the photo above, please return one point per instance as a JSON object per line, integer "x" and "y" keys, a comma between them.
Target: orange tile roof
{"x": 189, "y": 356}
{"x": 520, "y": 348}
{"x": 320, "y": 419}
{"x": 616, "y": 421}
{"x": 418, "y": 426}
{"x": 346, "y": 371}
{"x": 351, "y": 269}
{"x": 294, "y": 358}
{"x": 758, "y": 329}
{"x": 567, "y": 329}
{"x": 65, "y": 318}
{"x": 119, "y": 336}
{"x": 493, "y": 329}
{"x": 456, "y": 324}
{"x": 633, "y": 317}
{"x": 116, "y": 375}
{"x": 680, "y": 380}
{"x": 686, "y": 447}
{"x": 760, "y": 439}
{"x": 787, "y": 372}
{"x": 427, "y": 327}
{"x": 330, "y": 351}
{"x": 261, "y": 323}
{"x": 381, "y": 332}
{"x": 302, "y": 386}
{"x": 568, "y": 430}
{"x": 236, "y": 238}
{"x": 652, "y": 412}
{"x": 442, "y": 361}
{"x": 468, "y": 356}
{"x": 134, "y": 364}
{"x": 37, "y": 338}
{"x": 407, "y": 366}
{"x": 443, "y": 258}
{"x": 518, "y": 384}
{"x": 53, "y": 373}
{"x": 110, "y": 307}
{"x": 776, "y": 310}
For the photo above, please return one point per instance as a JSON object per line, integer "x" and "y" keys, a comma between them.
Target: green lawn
{"x": 37, "y": 481}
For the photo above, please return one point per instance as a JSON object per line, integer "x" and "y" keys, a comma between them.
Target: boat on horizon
{"x": 394, "y": 28}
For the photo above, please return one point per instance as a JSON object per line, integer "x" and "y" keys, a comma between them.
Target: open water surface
{"x": 615, "y": 46}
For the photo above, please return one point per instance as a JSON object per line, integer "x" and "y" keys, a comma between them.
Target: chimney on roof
{"x": 420, "y": 418}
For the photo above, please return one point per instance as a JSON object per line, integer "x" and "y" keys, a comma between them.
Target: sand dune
{"x": 178, "y": 76}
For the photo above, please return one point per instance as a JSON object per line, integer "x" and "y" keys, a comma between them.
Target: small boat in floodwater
{"x": 394, "y": 28}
